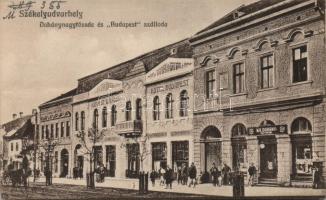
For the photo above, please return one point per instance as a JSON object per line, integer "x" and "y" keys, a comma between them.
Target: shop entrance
{"x": 64, "y": 163}
{"x": 268, "y": 157}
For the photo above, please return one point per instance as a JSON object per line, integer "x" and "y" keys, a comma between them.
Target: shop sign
{"x": 105, "y": 101}
{"x": 278, "y": 129}
{"x": 169, "y": 86}
{"x": 169, "y": 68}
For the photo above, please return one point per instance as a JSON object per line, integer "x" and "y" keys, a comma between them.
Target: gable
{"x": 106, "y": 86}
{"x": 169, "y": 68}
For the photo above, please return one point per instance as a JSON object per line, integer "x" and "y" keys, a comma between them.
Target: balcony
{"x": 129, "y": 128}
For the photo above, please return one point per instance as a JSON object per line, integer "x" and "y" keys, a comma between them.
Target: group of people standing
{"x": 220, "y": 176}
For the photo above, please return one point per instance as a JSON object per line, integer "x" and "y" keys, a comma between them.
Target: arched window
{"x": 128, "y": 110}
{"x": 301, "y": 125}
{"x": 184, "y": 103}
{"x": 95, "y": 119}
{"x": 267, "y": 123}
{"x": 238, "y": 130}
{"x": 82, "y": 124}
{"x": 104, "y": 117}
{"x": 156, "y": 108}
{"x": 239, "y": 146}
{"x": 113, "y": 115}
{"x": 76, "y": 121}
{"x": 168, "y": 106}
{"x": 138, "y": 109}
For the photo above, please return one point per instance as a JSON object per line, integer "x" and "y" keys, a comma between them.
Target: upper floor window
{"x": 52, "y": 131}
{"x": 184, "y": 103}
{"x": 62, "y": 132}
{"x": 17, "y": 146}
{"x": 68, "y": 128}
{"x": 95, "y": 119}
{"x": 46, "y": 132}
{"x": 104, "y": 117}
{"x": 12, "y": 146}
{"x": 82, "y": 124}
{"x": 138, "y": 109}
{"x": 42, "y": 135}
{"x": 128, "y": 110}
{"x": 56, "y": 130}
{"x": 300, "y": 65}
{"x": 210, "y": 83}
{"x": 238, "y": 78}
{"x": 267, "y": 71}
{"x": 156, "y": 108}
{"x": 76, "y": 121}
{"x": 169, "y": 106}
{"x": 113, "y": 115}
{"x": 301, "y": 125}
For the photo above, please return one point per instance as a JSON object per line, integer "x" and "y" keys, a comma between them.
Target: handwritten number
{"x": 43, "y": 4}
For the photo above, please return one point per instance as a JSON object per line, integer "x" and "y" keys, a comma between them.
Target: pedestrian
{"x": 213, "y": 172}
{"x": 179, "y": 175}
{"x": 226, "y": 174}
{"x": 252, "y": 173}
{"x": 316, "y": 178}
{"x": 80, "y": 172}
{"x": 192, "y": 175}
{"x": 162, "y": 176}
{"x": 152, "y": 176}
{"x": 168, "y": 177}
{"x": 102, "y": 173}
{"x": 75, "y": 172}
{"x": 219, "y": 176}
{"x": 184, "y": 174}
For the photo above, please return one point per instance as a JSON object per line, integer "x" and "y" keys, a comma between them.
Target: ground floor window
{"x": 158, "y": 155}
{"x": 180, "y": 154}
{"x": 98, "y": 156}
{"x": 302, "y": 155}
{"x": 111, "y": 160}
{"x": 239, "y": 154}
{"x": 133, "y": 160}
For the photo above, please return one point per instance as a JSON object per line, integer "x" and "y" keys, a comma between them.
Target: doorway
{"x": 268, "y": 157}
{"x": 64, "y": 163}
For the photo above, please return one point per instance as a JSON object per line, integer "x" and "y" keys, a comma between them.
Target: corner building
{"x": 259, "y": 95}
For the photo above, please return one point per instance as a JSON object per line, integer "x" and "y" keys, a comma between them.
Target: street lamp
{"x": 35, "y": 141}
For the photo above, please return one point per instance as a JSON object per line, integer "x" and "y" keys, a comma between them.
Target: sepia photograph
{"x": 162, "y": 99}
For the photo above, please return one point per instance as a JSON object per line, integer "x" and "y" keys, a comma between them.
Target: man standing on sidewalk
{"x": 192, "y": 174}
{"x": 252, "y": 172}
{"x": 214, "y": 174}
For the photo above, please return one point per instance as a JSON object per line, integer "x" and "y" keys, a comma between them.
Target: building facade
{"x": 260, "y": 79}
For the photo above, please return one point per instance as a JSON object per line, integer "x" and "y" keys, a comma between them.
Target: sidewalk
{"x": 203, "y": 189}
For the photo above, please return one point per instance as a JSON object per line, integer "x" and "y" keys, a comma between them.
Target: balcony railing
{"x": 129, "y": 128}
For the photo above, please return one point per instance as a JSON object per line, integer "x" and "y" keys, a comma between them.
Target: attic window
{"x": 173, "y": 51}
{"x": 237, "y": 14}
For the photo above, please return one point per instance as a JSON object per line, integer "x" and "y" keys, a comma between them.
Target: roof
{"x": 150, "y": 60}
{"x": 62, "y": 96}
{"x": 245, "y": 13}
{"x": 19, "y": 128}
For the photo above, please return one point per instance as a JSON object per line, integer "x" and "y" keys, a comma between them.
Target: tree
{"x": 143, "y": 152}
{"x": 88, "y": 141}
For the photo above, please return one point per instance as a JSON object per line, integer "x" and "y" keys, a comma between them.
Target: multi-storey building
{"x": 260, "y": 90}
{"x": 54, "y": 136}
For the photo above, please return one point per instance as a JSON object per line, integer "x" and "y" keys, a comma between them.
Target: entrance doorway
{"x": 133, "y": 160}
{"x": 268, "y": 157}
{"x": 64, "y": 163}
{"x": 211, "y": 148}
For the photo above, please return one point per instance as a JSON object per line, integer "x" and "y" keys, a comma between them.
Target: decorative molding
{"x": 232, "y": 52}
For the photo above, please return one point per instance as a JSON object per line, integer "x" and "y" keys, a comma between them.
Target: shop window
{"x": 68, "y": 128}
{"x": 82, "y": 124}
{"x": 184, "y": 101}
{"x": 238, "y": 78}
{"x": 113, "y": 115}
{"x": 158, "y": 155}
{"x": 56, "y": 158}
{"x": 133, "y": 160}
{"x": 111, "y": 160}
{"x": 95, "y": 119}
{"x": 210, "y": 84}
{"x": 104, "y": 117}
{"x": 138, "y": 109}
{"x": 300, "y": 65}
{"x": 62, "y": 132}
{"x": 156, "y": 109}
{"x": 267, "y": 71}
{"x": 98, "y": 156}
{"x": 239, "y": 147}
{"x": 180, "y": 154}
{"x": 128, "y": 110}
{"x": 169, "y": 106}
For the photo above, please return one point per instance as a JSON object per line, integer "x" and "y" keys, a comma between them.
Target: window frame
{"x": 169, "y": 106}
{"x": 113, "y": 115}
{"x": 104, "y": 117}
{"x": 76, "y": 121}
{"x": 156, "y": 108}
{"x": 268, "y": 68}
{"x": 210, "y": 81}
{"x": 128, "y": 111}
{"x": 292, "y": 48}
{"x": 184, "y": 103}
{"x": 240, "y": 74}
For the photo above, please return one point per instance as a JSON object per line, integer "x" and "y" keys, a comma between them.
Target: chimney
{"x": 14, "y": 116}
{"x": 21, "y": 114}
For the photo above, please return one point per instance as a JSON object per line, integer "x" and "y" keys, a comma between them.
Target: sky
{"x": 38, "y": 63}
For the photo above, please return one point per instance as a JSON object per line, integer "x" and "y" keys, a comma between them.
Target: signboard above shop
{"x": 278, "y": 129}
{"x": 169, "y": 68}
